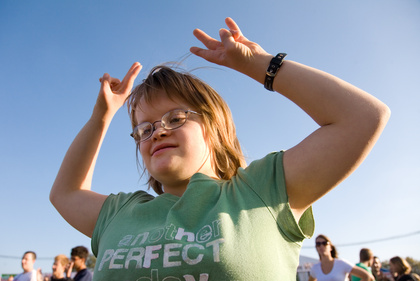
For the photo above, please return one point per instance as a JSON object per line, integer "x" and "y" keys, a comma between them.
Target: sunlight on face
{"x": 173, "y": 156}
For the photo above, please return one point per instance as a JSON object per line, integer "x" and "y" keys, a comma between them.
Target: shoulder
{"x": 362, "y": 265}
{"x": 406, "y": 277}
{"x": 83, "y": 275}
{"x": 344, "y": 264}
{"x": 343, "y": 261}
{"x": 270, "y": 159}
{"x": 139, "y": 196}
{"x": 115, "y": 202}
{"x": 264, "y": 172}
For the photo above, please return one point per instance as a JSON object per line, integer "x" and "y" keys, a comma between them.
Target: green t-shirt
{"x": 362, "y": 265}
{"x": 241, "y": 229}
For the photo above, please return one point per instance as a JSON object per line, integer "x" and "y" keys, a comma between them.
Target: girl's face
{"x": 173, "y": 156}
{"x": 394, "y": 269}
{"x": 323, "y": 247}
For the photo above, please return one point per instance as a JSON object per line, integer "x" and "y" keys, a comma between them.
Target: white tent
{"x": 305, "y": 264}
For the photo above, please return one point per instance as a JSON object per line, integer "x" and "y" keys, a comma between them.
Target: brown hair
{"x": 62, "y": 259}
{"x": 365, "y": 255}
{"x": 80, "y": 251}
{"x": 334, "y": 252}
{"x": 403, "y": 267}
{"x": 30, "y": 252}
{"x": 220, "y": 130}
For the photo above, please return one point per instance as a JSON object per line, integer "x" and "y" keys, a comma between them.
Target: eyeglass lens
{"x": 325, "y": 243}
{"x": 171, "y": 120}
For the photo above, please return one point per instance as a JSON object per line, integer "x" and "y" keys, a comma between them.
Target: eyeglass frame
{"x": 186, "y": 111}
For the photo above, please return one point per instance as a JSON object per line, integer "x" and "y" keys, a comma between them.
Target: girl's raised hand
{"x": 114, "y": 92}
{"x": 233, "y": 50}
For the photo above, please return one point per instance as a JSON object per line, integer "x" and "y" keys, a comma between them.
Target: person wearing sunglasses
{"x": 215, "y": 217}
{"x": 330, "y": 267}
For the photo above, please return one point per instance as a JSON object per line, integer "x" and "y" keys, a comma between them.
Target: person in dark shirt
{"x": 79, "y": 256}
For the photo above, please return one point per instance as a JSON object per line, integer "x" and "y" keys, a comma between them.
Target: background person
{"x": 378, "y": 272}
{"x": 61, "y": 263}
{"x": 400, "y": 269}
{"x": 29, "y": 273}
{"x": 365, "y": 262}
{"x": 331, "y": 268}
{"x": 79, "y": 256}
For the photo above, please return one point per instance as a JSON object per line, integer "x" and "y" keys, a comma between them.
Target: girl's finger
{"x": 204, "y": 53}
{"x": 131, "y": 75}
{"x": 207, "y": 40}
{"x": 236, "y": 31}
{"x": 226, "y": 37}
{"x": 234, "y": 28}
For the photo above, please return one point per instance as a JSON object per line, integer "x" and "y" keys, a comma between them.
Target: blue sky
{"x": 52, "y": 54}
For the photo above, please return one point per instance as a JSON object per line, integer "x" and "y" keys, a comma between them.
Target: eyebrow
{"x": 151, "y": 121}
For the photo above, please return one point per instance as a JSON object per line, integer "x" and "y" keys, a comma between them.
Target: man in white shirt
{"x": 29, "y": 273}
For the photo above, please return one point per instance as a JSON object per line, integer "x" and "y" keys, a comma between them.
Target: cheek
{"x": 200, "y": 140}
{"x": 143, "y": 149}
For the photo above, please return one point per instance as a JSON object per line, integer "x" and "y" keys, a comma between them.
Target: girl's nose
{"x": 159, "y": 132}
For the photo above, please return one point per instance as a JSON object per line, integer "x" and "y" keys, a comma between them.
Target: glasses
{"x": 324, "y": 243}
{"x": 170, "y": 121}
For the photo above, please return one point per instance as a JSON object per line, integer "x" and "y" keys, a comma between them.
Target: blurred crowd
{"x": 63, "y": 268}
{"x": 369, "y": 268}
{"x": 330, "y": 267}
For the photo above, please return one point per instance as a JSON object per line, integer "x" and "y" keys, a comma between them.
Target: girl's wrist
{"x": 102, "y": 115}
{"x": 258, "y": 67}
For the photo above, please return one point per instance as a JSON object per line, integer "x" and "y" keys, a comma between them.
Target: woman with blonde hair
{"x": 400, "y": 269}
{"x": 59, "y": 268}
{"x": 331, "y": 268}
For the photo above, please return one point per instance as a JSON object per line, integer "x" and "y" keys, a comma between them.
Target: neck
{"x": 176, "y": 189}
{"x": 325, "y": 258}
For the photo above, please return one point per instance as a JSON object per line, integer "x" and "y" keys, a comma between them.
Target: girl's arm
{"x": 361, "y": 273}
{"x": 350, "y": 119}
{"x": 70, "y": 193}
{"x": 311, "y": 278}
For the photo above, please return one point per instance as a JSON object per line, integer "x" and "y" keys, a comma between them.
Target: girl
{"x": 331, "y": 268}
{"x": 214, "y": 218}
{"x": 400, "y": 269}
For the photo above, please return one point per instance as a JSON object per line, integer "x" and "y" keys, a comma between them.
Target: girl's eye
{"x": 175, "y": 120}
{"x": 146, "y": 131}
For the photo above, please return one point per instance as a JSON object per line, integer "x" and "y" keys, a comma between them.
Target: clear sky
{"x": 52, "y": 54}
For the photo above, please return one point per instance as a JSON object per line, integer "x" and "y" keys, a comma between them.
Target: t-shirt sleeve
{"x": 266, "y": 178}
{"x": 347, "y": 266}
{"x": 110, "y": 208}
